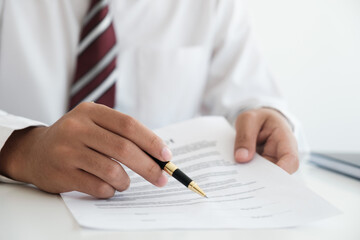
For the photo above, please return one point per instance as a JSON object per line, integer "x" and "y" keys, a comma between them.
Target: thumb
{"x": 247, "y": 130}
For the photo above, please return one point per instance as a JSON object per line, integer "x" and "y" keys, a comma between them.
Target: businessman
{"x": 83, "y": 82}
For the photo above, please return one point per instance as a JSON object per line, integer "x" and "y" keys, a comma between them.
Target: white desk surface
{"x": 27, "y": 213}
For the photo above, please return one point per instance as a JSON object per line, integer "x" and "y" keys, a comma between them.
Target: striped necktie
{"x": 95, "y": 75}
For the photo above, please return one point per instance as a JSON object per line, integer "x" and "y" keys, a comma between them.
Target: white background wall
{"x": 313, "y": 49}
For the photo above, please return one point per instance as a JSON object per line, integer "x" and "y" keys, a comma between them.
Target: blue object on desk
{"x": 344, "y": 163}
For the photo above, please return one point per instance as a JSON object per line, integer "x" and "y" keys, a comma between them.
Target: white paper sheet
{"x": 254, "y": 195}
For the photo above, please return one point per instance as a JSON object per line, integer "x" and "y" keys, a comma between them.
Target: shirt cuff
{"x": 8, "y": 124}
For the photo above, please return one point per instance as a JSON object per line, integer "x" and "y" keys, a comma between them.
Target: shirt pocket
{"x": 171, "y": 82}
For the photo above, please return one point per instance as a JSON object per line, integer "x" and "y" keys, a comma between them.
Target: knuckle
{"x": 153, "y": 172}
{"x": 65, "y": 150}
{"x": 84, "y": 107}
{"x": 125, "y": 149}
{"x": 128, "y": 124}
{"x": 104, "y": 190}
{"x": 113, "y": 173}
{"x": 124, "y": 183}
{"x": 70, "y": 124}
{"x": 247, "y": 116}
{"x": 155, "y": 141}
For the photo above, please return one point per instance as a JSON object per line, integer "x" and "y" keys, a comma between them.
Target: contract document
{"x": 257, "y": 194}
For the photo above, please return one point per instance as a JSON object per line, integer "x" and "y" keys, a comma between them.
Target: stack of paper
{"x": 254, "y": 195}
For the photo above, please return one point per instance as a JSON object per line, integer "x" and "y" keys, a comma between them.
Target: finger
{"x": 281, "y": 149}
{"x": 92, "y": 185}
{"x": 248, "y": 125}
{"x": 129, "y": 128}
{"x": 104, "y": 168}
{"x": 125, "y": 151}
{"x": 287, "y": 153}
{"x": 289, "y": 163}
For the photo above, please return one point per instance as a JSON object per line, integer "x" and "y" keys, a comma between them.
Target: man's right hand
{"x": 74, "y": 154}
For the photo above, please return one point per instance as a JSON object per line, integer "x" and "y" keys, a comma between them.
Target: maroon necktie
{"x": 95, "y": 75}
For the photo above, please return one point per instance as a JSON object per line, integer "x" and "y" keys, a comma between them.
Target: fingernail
{"x": 166, "y": 154}
{"x": 241, "y": 154}
{"x": 162, "y": 180}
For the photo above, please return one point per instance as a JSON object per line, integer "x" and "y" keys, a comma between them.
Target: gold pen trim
{"x": 195, "y": 188}
{"x": 170, "y": 168}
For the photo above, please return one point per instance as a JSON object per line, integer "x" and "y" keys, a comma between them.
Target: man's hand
{"x": 267, "y": 132}
{"x": 75, "y": 153}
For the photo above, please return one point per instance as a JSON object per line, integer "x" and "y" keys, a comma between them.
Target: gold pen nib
{"x": 194, "y": 187}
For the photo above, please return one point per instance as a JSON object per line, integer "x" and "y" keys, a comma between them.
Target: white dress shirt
{"x": 177, "y": 59}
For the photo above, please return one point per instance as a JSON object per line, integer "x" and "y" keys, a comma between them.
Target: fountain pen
{"x": 174, "y": 171}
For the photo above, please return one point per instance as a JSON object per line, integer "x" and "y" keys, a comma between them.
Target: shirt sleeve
{"x": 238, "y": 77}
{"x": 8, "y": 124}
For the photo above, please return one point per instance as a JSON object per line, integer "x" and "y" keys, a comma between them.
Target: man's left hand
{"x": 267, "y": 132}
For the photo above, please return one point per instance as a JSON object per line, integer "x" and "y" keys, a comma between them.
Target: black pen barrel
{"x": 160, "y": 163}
{"x": 173, "y": 170}
{"x": 181, "y": 177}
